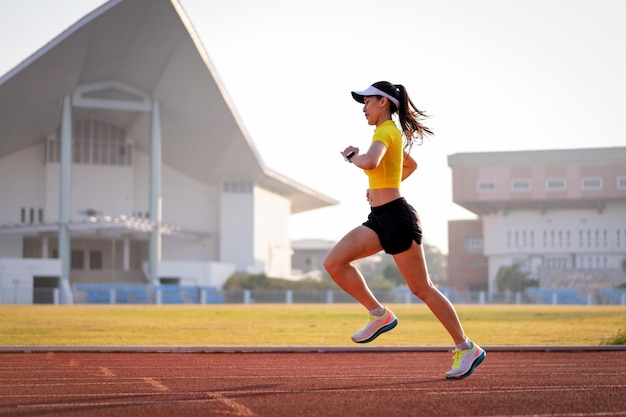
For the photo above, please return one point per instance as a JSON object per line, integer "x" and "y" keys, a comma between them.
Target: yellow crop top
{"x": 388, "y": 174}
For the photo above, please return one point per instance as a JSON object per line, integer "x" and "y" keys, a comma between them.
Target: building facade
{"x": 559, "y": 214}
{"x": 123, "y": 160}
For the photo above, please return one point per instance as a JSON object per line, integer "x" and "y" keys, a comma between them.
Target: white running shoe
{"x": 466, "y": 361}
{"x": 375, "y": 326}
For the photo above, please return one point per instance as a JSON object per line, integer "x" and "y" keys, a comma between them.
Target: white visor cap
{"x": 373, "y": 91}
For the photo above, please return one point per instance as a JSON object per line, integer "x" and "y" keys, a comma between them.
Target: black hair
{"x": 410, "y": 116}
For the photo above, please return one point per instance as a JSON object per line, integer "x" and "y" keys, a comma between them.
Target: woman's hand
{"x": 348, "y": 150}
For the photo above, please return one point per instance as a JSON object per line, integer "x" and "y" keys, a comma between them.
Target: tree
{"x": 392, "y": 274}
{"x": 436, "y": 262}
{"x": 512, "y": 278}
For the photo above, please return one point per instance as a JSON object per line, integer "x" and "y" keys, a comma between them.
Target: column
{"x": 65, "y": 196}
{"x": 126, "y": 265}
{"x": 155, "y": 192}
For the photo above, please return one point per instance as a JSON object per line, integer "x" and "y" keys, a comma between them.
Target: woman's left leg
{"x": 358, "y": 243}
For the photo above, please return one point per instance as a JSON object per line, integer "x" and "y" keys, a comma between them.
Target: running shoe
{"x": 375, "y": 326}
{"x": 465, "y": 362}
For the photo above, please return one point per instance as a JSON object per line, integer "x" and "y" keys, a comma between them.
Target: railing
{"x": 174, "y": 294}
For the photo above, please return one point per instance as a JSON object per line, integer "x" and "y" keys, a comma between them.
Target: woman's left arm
{"x": 408, "y": 166}
{"x": 371, "y": 158}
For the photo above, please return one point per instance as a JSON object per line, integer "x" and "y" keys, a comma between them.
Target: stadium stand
{"x": 103, "y": 293}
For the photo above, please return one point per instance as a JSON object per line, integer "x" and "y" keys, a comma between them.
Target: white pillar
{"x": 155, "y": 191}
{"x": 45, "y": 245}
{"x": 126, "y": 254}
{"x": 65, "y": 194}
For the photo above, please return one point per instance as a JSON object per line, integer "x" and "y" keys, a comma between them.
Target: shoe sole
{"x": 471, "y": 370}
{"x": 380, "y": 331}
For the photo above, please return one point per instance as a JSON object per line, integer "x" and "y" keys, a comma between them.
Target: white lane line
{"x": 238, "y": 409}
{"x": 156, "y": 384}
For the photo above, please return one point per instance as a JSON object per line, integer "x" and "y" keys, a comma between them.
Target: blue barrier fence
{"x": 177, "y": 294}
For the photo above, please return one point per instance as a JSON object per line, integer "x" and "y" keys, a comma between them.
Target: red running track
{"x": 342, "y": 384}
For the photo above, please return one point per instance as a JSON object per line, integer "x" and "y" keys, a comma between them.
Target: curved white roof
{"x": 149, "y": 45}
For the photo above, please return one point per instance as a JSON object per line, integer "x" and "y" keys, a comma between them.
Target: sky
{"x": 494, "y": 75}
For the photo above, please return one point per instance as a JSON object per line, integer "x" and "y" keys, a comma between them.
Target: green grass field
{"x": 299, "y": 325}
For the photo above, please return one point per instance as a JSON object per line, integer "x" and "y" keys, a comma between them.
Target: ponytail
{"x": 410, "y": 119}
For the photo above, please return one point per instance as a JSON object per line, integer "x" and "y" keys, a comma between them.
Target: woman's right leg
{"x": 359, "y": 243}
{"x": 412, "y": 266}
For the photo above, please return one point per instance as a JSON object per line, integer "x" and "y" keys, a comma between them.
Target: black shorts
{"x": 396, "y": 224}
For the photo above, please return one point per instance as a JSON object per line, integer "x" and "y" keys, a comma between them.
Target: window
{"x": 474, "y": 244}
{"x": 621, "y": 183}
{"x": 94, "y": 143}
{"x": 485, "y": 186}
{"x": 591, "y": 183}
{"x": 520, "y": 185}
{"x": 95, "y": 259}
{"x": 77, "y": 259}
{"x": 556, "y": 184}
{"x": 555, "y": 263}
{"x": 238, "y": 187}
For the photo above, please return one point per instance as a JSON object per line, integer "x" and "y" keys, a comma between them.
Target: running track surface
{"x": 329, "y": 384}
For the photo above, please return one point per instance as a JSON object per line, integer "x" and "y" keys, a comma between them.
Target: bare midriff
{"x": 380, "y": 196}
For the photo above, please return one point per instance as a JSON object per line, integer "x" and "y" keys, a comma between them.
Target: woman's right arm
{"x": 409, "y": 165}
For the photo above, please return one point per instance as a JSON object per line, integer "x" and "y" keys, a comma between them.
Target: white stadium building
{"x": 123, "y": 160}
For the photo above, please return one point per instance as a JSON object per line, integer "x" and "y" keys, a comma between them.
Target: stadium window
{"x": 621, "y": 183}
{"x": 520, "y": 185}
{"x": 23, "y": 215}
{"x": 591, "y": 183}
{"x": 532, "y": 238}
{"x": 556, "y": 184}
{"x": 474, "y": 244}
{"x": 77, "y": 259}
{"x": 96, "y": 143}
{"x": 40, "y": 215}
{"x": 32, "y": 215}
{"x": 485, "y": 186}
{"x": 619, "y": 234}
{"x": 95, "y": 259}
